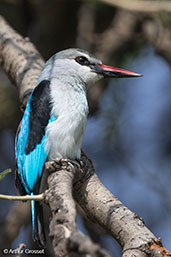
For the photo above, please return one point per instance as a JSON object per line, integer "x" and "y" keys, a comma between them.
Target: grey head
{"x": 78, "y": 66}
{"x": 73, "y": 53}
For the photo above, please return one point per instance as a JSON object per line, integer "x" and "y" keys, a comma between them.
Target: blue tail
{"x": 38, "y": 232}
{"x": 33, "y": 215}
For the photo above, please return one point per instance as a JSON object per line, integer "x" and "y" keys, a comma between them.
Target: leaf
{"x": 4, "y": 173}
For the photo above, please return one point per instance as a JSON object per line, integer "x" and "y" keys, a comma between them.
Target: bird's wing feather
{"x": 30, "y": 139}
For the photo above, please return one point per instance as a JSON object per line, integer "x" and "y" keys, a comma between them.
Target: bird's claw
{"x": 62, "y": 163}
{"x": 75, "y": 164}
{"x": 65, "y": 163}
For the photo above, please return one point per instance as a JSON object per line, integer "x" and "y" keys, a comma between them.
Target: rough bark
{"x": 19, "y": 59}
{"x": 104, "y": 208}
{"x": 66, "y": 239}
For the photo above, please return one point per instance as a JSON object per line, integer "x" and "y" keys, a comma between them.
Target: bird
{"x": 54, "y": 120}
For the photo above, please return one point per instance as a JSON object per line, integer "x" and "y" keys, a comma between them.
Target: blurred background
{"x": 128, "y": 135}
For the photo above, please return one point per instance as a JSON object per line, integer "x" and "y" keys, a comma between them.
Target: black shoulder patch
{"x": 39, "y": 115}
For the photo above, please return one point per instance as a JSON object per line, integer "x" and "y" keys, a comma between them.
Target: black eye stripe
{"x": 82, "y": 60}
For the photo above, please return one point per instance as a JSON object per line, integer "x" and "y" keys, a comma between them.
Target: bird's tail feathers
{"x": 38, "y": 232}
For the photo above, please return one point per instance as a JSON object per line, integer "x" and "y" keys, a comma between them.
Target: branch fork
{"x": 63, "y": 229}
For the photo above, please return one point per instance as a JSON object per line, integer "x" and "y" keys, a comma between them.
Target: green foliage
{"x": 4, "y": 173}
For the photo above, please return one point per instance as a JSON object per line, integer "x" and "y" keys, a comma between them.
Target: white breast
{"x": 64, "y": 135}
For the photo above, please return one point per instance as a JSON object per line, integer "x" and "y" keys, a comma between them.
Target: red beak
{"x": 109, "y": 71}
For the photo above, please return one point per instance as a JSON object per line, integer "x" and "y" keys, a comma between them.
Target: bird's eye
{"x": 82, "y": 60}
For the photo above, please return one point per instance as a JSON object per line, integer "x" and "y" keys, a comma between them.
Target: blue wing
{"x": 30, "y": 140}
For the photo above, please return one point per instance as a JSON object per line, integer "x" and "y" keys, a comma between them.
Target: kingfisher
{"x": 54, "y": 120}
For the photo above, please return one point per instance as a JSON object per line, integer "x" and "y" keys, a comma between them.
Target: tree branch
{"x": 105, "y": 209}
{"x": 117, "y": 35}
{"x": 66, "y": 238}
{"x": 20, "y": 60}
{"x": 159, "y": 37}
{"x": 140, "y": 5}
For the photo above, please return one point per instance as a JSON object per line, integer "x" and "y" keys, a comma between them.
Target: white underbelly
{"x": 64, "y": 137}
{"x": 70, "y": 107}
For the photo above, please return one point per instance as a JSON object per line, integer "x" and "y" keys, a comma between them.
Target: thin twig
{"x": 19, "y": 250}
{"x": 39, "y": 197}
